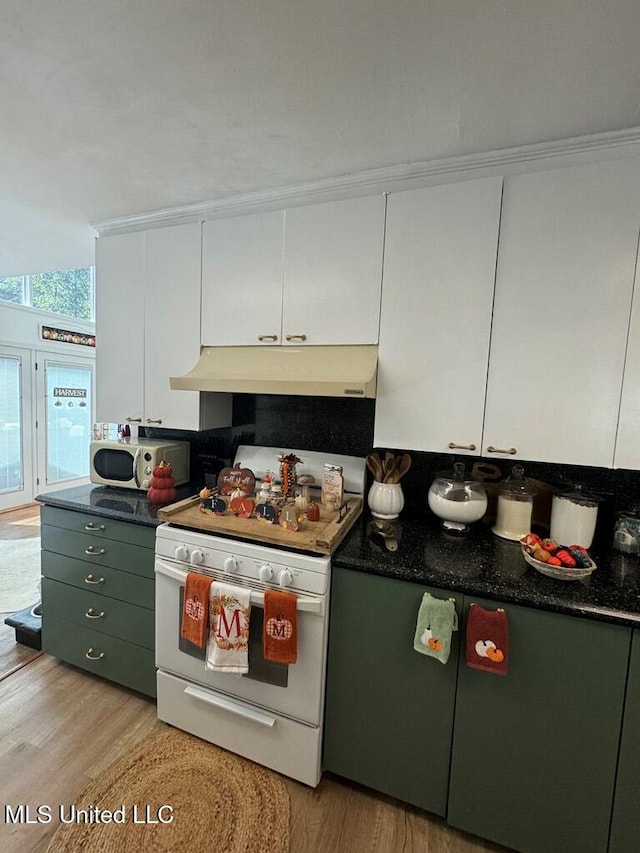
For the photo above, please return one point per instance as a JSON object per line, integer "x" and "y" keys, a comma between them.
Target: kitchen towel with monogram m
{"x": 228, "y": 645}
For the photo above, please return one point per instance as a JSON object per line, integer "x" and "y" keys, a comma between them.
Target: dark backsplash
{"x": 345, "y": 426}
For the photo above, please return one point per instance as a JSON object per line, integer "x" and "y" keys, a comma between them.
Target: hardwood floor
{"x": 60, "y": 727}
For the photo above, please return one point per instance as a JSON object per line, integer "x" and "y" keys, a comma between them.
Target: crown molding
{"x": 382, "y": 179}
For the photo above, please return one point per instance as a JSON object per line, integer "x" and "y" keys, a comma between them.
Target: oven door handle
{"x": 304, "y": 605}
{"x": 225, "y": 704}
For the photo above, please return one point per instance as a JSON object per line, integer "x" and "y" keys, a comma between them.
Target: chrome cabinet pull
{"x": 91, "y": 551}
{"x": 91, "y": 614}
{"x": 91, "y": 580}
{"x": 91, "y": 655}
{"x": 453, "y": 446}
{"x": 134, "y": 420}
{"x": 92, "y": 526}
{"x": 154, "y": 420}
{"x": 296, "y": 337}
{"x": 492, "y": 449}
{"x": 267, "y": 337}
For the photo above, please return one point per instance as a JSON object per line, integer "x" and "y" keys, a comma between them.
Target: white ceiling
{"x": 113, "y": 108}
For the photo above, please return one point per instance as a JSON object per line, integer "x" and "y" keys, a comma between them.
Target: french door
{"x": 46, "y": 412}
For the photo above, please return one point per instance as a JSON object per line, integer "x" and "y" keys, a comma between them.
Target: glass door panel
{"x": 67, "y": 398}
{"x": 16, "y": 422}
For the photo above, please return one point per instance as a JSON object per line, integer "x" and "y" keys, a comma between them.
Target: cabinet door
{"x": 627, "y": 453}
{"x": 389, "y": 709}
{"x": 564, "y": 280}
{"x": 120, "y": 277}
{"x": 242, "y": 280}
{"x": 534, "y": 752}
{"x": 625, "y": 826}
{"x": 333, "y": 272}
{"x": 172, "y": 323}
{"x": 437, "y": 296}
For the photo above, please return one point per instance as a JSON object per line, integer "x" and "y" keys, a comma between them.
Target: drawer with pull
{"x": 106, "y": 552}
{"x": 108, "y": 657}
{"x": 104, "y": 580}
{"x": 99, "y": 526}
{"x": 100, "y": 613}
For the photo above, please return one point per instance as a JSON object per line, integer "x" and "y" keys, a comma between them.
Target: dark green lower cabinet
{"x": 389, "y": 713}
{"x": 625, "y": 826}
{"x": 534, "y": 753}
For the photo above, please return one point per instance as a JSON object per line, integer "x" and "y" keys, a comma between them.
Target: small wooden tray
{"x": 319, "y": 537}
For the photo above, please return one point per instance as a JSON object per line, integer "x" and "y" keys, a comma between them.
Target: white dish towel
{"x": 228, "y": 643}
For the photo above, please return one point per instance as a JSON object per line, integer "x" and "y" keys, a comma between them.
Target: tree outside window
{"x": 66, "y": 292}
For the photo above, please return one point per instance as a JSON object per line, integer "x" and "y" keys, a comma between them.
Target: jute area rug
{"x": 201, "y": 797}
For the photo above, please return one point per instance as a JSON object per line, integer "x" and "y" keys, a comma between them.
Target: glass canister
{"x": 573, "y": 518}
{"x": 457, "y": 499}
{"x": 515, "y": 506}
{"x": 626, "y": 532}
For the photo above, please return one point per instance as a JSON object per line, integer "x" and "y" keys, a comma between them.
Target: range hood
{"x": 322, "y": 371}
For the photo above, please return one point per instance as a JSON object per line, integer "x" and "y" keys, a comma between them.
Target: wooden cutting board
{"x": 319, "y": 537}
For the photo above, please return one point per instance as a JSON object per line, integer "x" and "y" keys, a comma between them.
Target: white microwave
{"x": 130, "y": 464}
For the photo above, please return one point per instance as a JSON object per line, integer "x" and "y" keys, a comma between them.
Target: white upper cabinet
{"x": 435, "y": 325}
{"x": 568, "y": 241}
{"x": 147, "y": 329}
{"x": 333, "y": 272}
{"x": 120, "y": 275}
{"x": 627, "y": 453}
{"x": 242, "y": 280}
{"x": 306, "y": 275}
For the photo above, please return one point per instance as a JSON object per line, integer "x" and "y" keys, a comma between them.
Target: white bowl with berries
{"x": 550, "y": 558}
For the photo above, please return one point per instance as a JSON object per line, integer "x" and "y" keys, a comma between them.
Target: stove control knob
{"x": 285, "y": 578}
{"x": 182, "y": 553}
{"x": 266, "y": 573}
{"x": 230, "y": 565}
{"x": 197, "y": 557}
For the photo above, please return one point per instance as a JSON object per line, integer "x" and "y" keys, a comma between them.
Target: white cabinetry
{"x": 147, "y": 329}
{"x": 309, "y": 275}
{"x": 242, "y": 279}
{"x": 627, "y": 453}
{"x": 435, "y": 326}
{"x": 568, "y": 244}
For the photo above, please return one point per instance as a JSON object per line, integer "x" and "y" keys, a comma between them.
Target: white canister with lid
{"x": 515, "y": 506}
{"x": 573, "y": 518}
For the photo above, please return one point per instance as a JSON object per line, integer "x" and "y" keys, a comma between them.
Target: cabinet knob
{"x": 296, "y": 337}
{"x": 92, "y": 614}
{"x": 91, "y": 655}
{"x": 92, "y": 526}
{"x": 92, "y": 552}
{"x": 134, "y": 420}
{"x": 492, "y": 449}
{"x": 90, "y": 579}
{"x": 267, "y": 337}
{"x": 154, "y": 420}
{"x": 453, "y": 446}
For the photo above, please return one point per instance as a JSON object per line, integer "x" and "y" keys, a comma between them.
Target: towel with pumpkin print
{"x": 228, "y": 646}
{"x": 487, "y": 641}
{"x": 195, "y": 609}
{"x": 437, "y": 620}
{"x": 279, "y": 629}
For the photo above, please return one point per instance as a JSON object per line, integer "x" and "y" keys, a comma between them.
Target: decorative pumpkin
{"x": 205, "y": 493}
{"x": 313, "y": 511}
{"x": 242, "y": 507}
{"x": 162, "y": 489}
{"x": 236, "y": 478}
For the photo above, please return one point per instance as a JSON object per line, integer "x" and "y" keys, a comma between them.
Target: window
{"x": 67, "y": 292}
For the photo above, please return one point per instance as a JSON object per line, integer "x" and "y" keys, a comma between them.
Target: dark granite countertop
{"x": 110, "y": 502}
{"x": 480, "y": 564}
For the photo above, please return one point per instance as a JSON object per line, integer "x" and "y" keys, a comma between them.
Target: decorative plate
{"x": 561, "y": 573}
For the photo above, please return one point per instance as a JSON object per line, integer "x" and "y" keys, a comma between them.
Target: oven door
{"x": 293, "y": 690}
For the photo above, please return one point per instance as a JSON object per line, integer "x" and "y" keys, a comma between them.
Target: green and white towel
{"x": 437, "y": 620}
